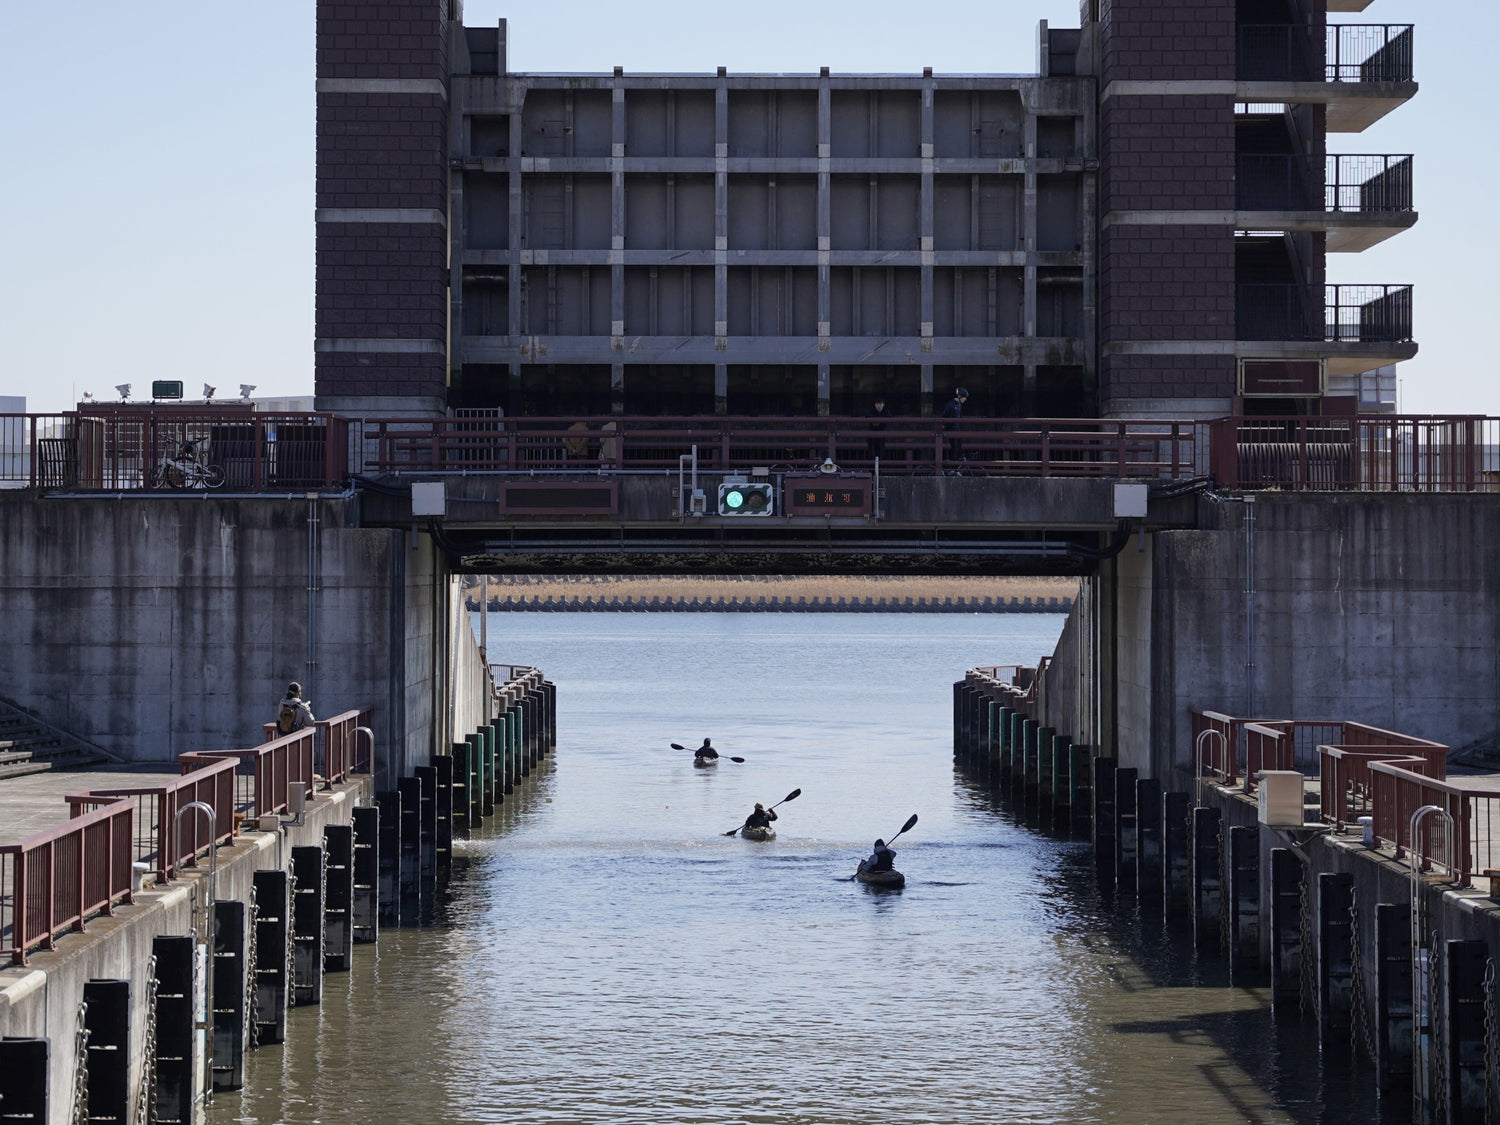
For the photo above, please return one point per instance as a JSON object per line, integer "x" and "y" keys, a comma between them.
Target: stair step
{"x": 21, "y": 769}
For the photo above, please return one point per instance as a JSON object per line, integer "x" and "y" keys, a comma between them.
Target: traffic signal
{"x": 747, "y": 499}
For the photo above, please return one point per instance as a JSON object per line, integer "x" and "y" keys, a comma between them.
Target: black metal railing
{"x": 1348, "y": 183}
{"x": 1349, "y": 53}
{"x": 1364, "y": 314}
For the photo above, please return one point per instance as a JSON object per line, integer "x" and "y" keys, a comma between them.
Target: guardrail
{"x": 1349, "y": 53}
{"x": 158, "y": 836}
{"x": 1347, "y": 183}
{"x": 1400, "y": 789}
{"x": 1347, "y": 787}
{"x": 1038, "y": 447}
{"x": 1365, "y": 453}
{"x": 1240, "y": 748}
{"x": 127, "y": 448}
{"x": 59, "y": 878}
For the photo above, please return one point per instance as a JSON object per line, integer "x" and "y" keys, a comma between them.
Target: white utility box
{"x": 1280, "y": 794}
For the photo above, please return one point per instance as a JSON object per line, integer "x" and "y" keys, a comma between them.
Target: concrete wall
{"x": 1383, "y": 609}
{"x": 169, "y": 624}
{"x": 42, "y": 998}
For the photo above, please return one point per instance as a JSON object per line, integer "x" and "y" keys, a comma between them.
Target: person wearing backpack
{"x": 294, "y": 712}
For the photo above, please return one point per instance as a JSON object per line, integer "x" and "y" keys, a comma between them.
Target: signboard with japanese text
{"x": 828, "y": 495}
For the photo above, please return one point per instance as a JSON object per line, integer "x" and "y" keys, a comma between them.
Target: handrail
{"x": 274, "y": 769}
{"x": 62, "y": 876}
{"x": 1400, "y": 788}
{"x": 204, "y": 778}
{"x": 338, "y": 744}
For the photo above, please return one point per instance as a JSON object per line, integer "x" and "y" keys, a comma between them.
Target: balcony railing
{"x": 1349, "y": 183}
{"x": 1360, "y": 314}
{"x": 1366, "y": 453}
{"x": 1350, "y": 53}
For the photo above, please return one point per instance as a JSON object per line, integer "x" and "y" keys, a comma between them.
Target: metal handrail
{"x": 60, "y": 877}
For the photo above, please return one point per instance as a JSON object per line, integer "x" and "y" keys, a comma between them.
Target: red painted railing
{"x": 340, "y": 748}
{"x": 158, "y": 835}
{"x": 1044, "y": 447}
{"x": 274, "y": 769}
{"x": 1400, "y": 788}
{"x": 1241, "y": 748}
{"x": 61, "y": 877}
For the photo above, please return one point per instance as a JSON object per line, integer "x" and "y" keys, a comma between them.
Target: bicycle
{"x": 186, "y": 470}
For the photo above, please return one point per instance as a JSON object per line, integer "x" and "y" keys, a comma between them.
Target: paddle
{"x": 680, "y": 746}
{"x": 792, "y": 796}
{"x": 904, "y": 828}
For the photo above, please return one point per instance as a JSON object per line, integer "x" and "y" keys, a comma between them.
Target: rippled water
{"x": 608, "y": 956}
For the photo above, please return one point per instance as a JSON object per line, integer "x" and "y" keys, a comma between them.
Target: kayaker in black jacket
{"x": 761, "y": 817}
{"x": 882, "y": 858}
{"x": 705, "y": 751}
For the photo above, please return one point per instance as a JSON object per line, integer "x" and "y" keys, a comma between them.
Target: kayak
{"x": 760, "y": 835}
{"x": 890, "y": 878}
{"x": 704, "y": 763}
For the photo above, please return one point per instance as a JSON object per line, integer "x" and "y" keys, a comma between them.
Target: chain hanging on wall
{"x": 1490, "y": 1100}
{"x": 252, "y": 973}
{"x": 291, "y": 940}
{"x": 80, "y": 1114}
{"x": 145, "y": 1102}
{"x": 1307, "y": 992}
{"x": 1436, "y": 1016}
{"x": 1359, "y": 1009}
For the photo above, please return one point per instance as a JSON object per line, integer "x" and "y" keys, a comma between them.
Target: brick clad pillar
{"x": 382, "y": 205}
{"x": 1167, "y": 249}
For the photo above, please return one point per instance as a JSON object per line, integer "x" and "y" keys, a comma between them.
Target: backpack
{"x": 286, "y": 721}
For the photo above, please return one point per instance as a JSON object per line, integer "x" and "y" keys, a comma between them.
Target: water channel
{"x": 608, "y": 956}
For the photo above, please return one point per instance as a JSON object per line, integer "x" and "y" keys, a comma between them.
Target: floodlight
{"x": 124, "y": 389}
{"x": 88, "y": 396}
{"x": 246, "y": 389}
{"x": 208, "y": 392}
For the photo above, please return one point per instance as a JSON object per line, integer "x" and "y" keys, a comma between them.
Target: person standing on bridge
{"x": 953, "y": 410}
{"x": 294, "y": 712}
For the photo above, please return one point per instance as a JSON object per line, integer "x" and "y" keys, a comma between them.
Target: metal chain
{"x": 81, "y": 1067}
{"x": 1490, "y": 1100}
{"x": 1359, "y": 1009}
{"x": 1307, "y": 994}
{"x": 145, "y": 1102}
{"x": 252, "y": 973}
{"x": 1436, "y": 1015}
{"x": 291, "y": 942}
{"x": 1226, "y": 906}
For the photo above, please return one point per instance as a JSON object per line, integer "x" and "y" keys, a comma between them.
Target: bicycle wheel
{"x": 168, "y": 476}
{"x": 213, "y": 476}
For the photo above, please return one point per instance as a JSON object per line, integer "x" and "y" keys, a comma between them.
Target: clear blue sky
{"x": 157, "y": 185}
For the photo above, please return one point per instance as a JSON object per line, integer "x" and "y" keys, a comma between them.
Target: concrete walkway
{"x": 34, "y": 803}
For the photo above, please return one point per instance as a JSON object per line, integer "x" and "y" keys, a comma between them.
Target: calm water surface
{"x": 607, "y": 956}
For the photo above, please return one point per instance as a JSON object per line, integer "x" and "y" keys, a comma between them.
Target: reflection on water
{"x": 606, "y": 955}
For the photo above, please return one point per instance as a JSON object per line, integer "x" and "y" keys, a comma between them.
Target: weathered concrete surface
{"x": 42, "y": 997}
{"x": 155, "y": 626}
{"x": 1377, "y": 608}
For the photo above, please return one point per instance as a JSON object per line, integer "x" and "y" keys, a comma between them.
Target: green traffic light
{"x": 734, "y": 499}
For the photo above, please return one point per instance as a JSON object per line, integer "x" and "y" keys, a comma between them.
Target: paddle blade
{"x": 736, "y": 759}
{"x": 910, "y": 824}
{"x": 792, "y": 796}
{"x": 678, "y": 746}
{"x": 731, "y": 832}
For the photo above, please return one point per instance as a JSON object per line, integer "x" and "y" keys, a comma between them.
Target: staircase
{"x": 29, "y": 745}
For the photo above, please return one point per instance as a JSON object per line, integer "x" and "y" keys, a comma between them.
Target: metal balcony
{"x": 1366, "y": 198}
{"x": 1354, "y": 327}
{"x": 1360, "y": 71}
{"x": 1347, "y": 314}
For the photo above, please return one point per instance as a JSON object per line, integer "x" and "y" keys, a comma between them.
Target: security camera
{"x": 124, "y": 390}
{"x": 208, "y": 392}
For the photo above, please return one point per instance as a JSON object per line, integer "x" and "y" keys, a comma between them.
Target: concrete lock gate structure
{"x": 563, "y": 319}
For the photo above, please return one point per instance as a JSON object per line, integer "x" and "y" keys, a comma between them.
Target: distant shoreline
{"x": 626, "y": 603}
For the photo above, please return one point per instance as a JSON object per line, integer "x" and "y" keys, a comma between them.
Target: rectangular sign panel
{"x": 832, "y": 495}
{"x": 560, "y": 498}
